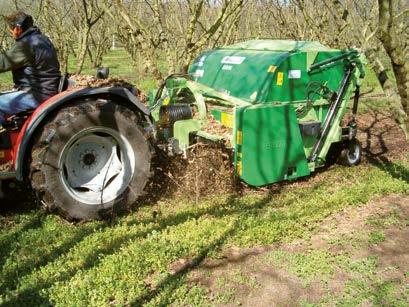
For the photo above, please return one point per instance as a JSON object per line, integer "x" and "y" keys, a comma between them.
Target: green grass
{"x": 376, "y": 237}
{"x": 45, "y": 260}
{"x": 307, "y": 266}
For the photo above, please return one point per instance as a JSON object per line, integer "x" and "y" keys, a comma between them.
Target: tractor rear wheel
{"x": 90, "y": 159}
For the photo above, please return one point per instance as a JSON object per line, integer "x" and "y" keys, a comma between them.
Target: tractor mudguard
{"x": 28, "y": 130}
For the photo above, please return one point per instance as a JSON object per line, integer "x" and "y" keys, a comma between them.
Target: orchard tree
{"x": 176, "y": 31}
{"x": 393, "y": 32}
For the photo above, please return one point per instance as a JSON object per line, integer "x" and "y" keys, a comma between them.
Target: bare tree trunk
{"x": 82, "y": 50}
{"x": 396, "y": 51}
{"x": 90, "y": 15}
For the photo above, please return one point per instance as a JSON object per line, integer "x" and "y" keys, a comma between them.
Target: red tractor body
{"x": 17, "y": 128}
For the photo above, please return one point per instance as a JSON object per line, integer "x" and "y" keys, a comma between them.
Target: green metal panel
{"x": 245, "y": 74}
{"x": 290, "y": 80}
{"x": 263, "y": 71}
{"x": 269, "y": 148}
{"x": 260, "y": 89}
{"x": 182, "y": 130}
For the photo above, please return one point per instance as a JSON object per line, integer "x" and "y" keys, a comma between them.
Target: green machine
{"x": 281, "y": 103}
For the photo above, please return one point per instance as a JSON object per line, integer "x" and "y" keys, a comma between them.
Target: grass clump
{"x": 307, "y": 266}
{"x": 376, "y": 237}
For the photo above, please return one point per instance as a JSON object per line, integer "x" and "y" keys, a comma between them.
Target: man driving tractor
{"x": 34, "y": 65}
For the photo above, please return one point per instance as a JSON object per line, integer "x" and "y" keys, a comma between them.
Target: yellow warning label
{"x": 272, "y": 68}
{"x": 239, "y": 168}
{"x": 166, "y": 101}
{"x": 239, "y": 138}
{"x": 280, "y": 77}
{"x": 2, "y": 154}
{"x": 227, "y": 120}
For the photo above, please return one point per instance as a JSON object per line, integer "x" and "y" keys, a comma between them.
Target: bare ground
{"x": 254, "y": 277}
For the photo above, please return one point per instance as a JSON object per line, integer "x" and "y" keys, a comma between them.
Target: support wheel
{"x": 351, "y": 153}
{"x": 91, "y": 159}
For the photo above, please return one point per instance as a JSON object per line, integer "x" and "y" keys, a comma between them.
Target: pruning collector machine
{"x": 278, "y": 105}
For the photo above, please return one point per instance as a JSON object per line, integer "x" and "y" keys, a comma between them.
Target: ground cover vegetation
{"x": 337, "y": 237}
{"x": 145, "y": 257}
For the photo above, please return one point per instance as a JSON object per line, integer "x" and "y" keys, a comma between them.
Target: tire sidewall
{"x": 357, "y": 152}
{"x": 344, "y": 157}
{"x": 71, "y": 122}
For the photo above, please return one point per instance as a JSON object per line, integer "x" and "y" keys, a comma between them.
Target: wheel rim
{"x": 96, "y": 165}
{"x": 353, "y": 154}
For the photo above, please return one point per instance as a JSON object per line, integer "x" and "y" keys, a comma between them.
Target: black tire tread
{"x": 39, "y": 149}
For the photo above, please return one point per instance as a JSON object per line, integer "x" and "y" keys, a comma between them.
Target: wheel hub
{"x": 89, "y": 158}
{"x": 96, "y": 166}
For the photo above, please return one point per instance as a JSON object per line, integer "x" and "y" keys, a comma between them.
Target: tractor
{"x": 280, "y": 106}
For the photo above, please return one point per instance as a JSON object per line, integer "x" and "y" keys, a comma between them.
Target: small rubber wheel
{"x": 90, "y": 159}
{"x": 351, "y": 153}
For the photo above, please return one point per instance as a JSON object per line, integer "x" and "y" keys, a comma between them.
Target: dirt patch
{"x": 381, "y": 136}
{"x": 6, "y": 167}
{"x": 206, "y": 170}
{"x": 91, "y": 81}
{"x": 256, "y": 279}
{"x": 216, "y": 128}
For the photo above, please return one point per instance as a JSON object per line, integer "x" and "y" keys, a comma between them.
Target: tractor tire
{"x": 351, "y": 153}
{"x": 90, "y": 160}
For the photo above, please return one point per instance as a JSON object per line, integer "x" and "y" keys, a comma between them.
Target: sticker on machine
{"x": 236, "y": 60}
{"x": 294, "y": 74}
{"x": 201, "y": 61}
{"x": 227, "y": 67}
{"x": 198, "y": 73}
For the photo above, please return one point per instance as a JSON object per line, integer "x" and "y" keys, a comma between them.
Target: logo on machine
{"x": 236, "y": 60}
{"x": 294, "y": 74}
{"x": 275, "y": 144}
{"x": 201, "y": 61}
{"x": 198, "y": 73}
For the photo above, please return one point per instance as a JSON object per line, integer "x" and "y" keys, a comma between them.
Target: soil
{"x": 381, "y": 137}
{"x": 6, "y": 167}
{"x": 276, "y": 286}
{"x": 91, "y": 81}
{"x": 206, "y": 170}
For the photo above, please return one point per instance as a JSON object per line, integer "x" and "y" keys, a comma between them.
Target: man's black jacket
{"x": 34, "y": 64}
